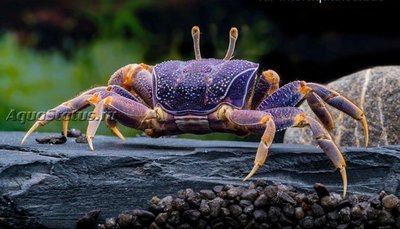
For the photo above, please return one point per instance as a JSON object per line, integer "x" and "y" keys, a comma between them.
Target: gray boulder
{"x": 377, "y": 92}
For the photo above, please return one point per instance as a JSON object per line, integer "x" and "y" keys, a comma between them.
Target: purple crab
{"x": 209, "y": 95}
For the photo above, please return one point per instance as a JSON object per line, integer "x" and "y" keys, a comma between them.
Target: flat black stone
{"x": 59, "y": 184}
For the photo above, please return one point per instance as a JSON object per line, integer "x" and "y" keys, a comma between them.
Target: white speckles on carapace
{"x": 198, "y": 86}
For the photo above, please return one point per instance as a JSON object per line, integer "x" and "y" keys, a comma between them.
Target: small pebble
{"x": 321, "y": 190}
{"x": 235, "y": 209}
{"x": 250, "y": 194}
{"x": 344, "y": 215}
{"x": 81, "y": 139}
{"x": 274, "y": 213}
{"x": 298, "y": 213}
{"x": 207, "y": 194}
{"x": 307, "y": 222}
{"x": 317, "y": 210}
{"x": 390, "y": 201}
{"x": 328, "y": 203}
{"x": 385, "y": 218}
{"x": 52, "y": 140}
{"x": 192, "y": 215}
{"x": 218, "y": 188}
{"x": 124, "y": 220}
{"x": 73, "y": 133}
{"x": 215, "y": 206}
{"x": 288, "y": 209}
{"x": 261, "y": 201}
{"x": 260, "y": 215}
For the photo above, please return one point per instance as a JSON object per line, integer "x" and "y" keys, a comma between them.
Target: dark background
{"x": 304, "y": 40}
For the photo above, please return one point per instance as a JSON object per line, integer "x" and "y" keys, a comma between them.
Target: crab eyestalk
{"x": 233, "y": 35}
{"x": 196, "y": 42}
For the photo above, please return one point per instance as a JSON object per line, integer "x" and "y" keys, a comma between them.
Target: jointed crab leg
{"x": 233, "y": 35}
{"x": 326, "y": 143}
{"x": 256, "y": 120}
{"x": 126, "y": 111}
{"x": 275, "y": 119}
{"x": 267, "y": 85}
{"x": 341, "y": 103}
{"x": 196, "y": 42}
{"x": 66, "y": 109}
{"x": 112, "y": 124}
{"x": 291, "y": 94}
{"x": 318, "y": 107}
{"x": 135, "y": 80}
{"x": 63, "y": 110}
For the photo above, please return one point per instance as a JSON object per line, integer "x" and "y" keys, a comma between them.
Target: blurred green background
{"x": 50, "y": 51}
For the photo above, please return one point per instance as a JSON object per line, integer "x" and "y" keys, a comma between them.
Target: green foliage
{"x": 35, "y": 81}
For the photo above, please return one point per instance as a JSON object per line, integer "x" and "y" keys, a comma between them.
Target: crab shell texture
{"x": 198, "y": 87}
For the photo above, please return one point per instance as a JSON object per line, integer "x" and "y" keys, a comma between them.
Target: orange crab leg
{"x": 256, "y": 120}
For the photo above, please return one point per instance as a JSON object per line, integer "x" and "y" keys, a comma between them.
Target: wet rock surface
{"x": 55, "y": 186}
{"x": 377, "y": 92}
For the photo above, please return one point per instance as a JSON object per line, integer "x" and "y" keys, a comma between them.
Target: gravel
{"x": 262, "y": 206}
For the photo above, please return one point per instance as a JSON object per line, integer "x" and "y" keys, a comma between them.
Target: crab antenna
{"x": 196, "y": 42}
{"x": 233, "y": 35}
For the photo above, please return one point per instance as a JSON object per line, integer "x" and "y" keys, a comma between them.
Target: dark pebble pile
{"x": 262, "y": 206}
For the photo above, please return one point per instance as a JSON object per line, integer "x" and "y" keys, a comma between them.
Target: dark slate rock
{"x": 56, "y": 185}
{"x": 376, "y": 91}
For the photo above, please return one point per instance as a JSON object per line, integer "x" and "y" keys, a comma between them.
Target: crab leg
{"x": 136, "y": 79}
{"x": 283, "y": 118}
{"x": 267, "y": 84}
{"x": 320, "y": 110}
{"x": 64, "y": 110}
{"x": 291, "y": 94}
{"x": 196, "y": 42}
{"x": 127, "y": 111}
{"x": 233, "y": 35}
{"x": 256, "y": 120}
{"x": 112, "y": 125}
{"x": 286, "y": 117}
{"x": 326, "y": 143}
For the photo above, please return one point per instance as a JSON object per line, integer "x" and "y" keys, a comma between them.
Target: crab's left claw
{"x": 263, "y": 147}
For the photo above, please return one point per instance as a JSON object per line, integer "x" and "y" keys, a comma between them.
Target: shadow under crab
{"x": 209, "y": 95}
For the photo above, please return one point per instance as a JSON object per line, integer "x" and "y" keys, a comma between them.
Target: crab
{"x": 210, "y": 95}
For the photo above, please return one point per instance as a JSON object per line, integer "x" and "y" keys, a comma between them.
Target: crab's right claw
{"x": 263, "y": 147}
